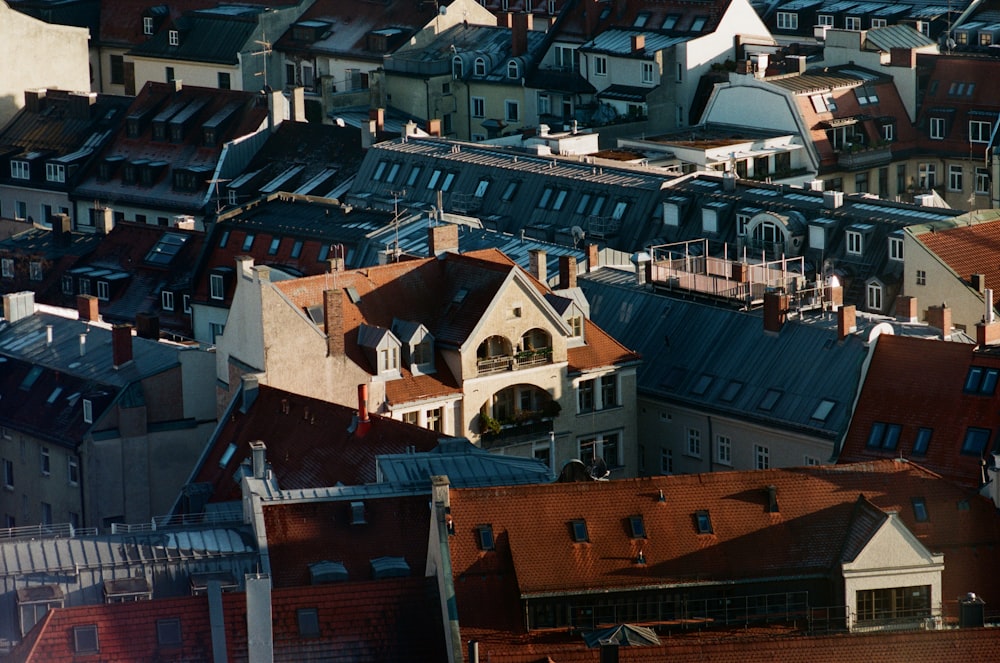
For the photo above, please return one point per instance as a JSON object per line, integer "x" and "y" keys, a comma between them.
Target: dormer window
{"x": 480, "y": 67}
{"x": 175, "y": 37}
{"x": 456, "y": 67}
{"x": 513, "y": 70}
{"x": 855, "y": 242}
{"x": 388, "y": 360}
{"x": 20, "y": 170}
{"x": 147, "y": 25}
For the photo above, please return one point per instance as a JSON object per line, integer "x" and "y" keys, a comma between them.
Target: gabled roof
{"x": 310, "y": 443}
{"x": 536, "y": 555}
{"x": 673, "y": 16}
{"x": 943, "y": 401}
{"x": 57, "y": 255}
{"x": 217, "y": 35}
{"x": 959, "y": 90}
{"x": 966, "y": 245}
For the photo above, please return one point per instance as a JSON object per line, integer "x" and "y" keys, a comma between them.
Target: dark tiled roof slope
{"x": 968, "y": 250}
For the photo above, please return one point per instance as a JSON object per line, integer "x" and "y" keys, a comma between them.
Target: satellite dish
{"x": 598, "y": 469}
{"x": 573, "y": 471}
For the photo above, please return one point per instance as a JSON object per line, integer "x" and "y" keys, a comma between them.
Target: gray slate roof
{"x": 465, "y": 465}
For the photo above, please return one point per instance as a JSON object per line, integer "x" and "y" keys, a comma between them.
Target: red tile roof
{"x": 918, "y": 383}
{"x": 306, "y": 451}
{"x": 304, "y": 533}
{"x": 959, "y": 90}
{"x": 536, "y": 555}
{"x": 968, "y": 250}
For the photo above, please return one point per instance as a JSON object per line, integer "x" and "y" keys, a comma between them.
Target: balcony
{"x": 519, "y": 360}
{"x": 860, "y": 157}
{"x": 517, "y": 432}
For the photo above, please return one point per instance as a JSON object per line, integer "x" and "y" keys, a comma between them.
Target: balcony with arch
{"x": 516, "y": 414}
{"x": 497, "y": 354}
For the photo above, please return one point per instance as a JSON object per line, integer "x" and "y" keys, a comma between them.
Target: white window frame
{"x": 955, "y": 177}
{"x": 855, "y": 243}
{"x": 478, "y": 107}
{"x": 825, "y": 19}
{"x": 479, "y": 67}
{"x": 167, "y": 300}
{"x": 724, "y": 449}
{"x": 217, "y": 286}
{"x": 888, "y": 132}
{"x": 175, "y": 37}
{"x": 88, "y": 411}
{"x": 979, "y": 131}
{"x": 186, "y": 303}
{"x": 7, "y": 267}
{"x": 103, "y": 291}
{"x": 513, "y": 70}
{"x": 509, "y": 104}
{"x": 761, "y": 457}
{"x": 72, "y": 471}
{"x": 457, "y": 67}
{"x": 852, "y": 23}
{"x": 927, "y": 175}
{"x": 982, "y": 181}
{"x": 647, "y": 73}
{"x": 873, "y": 296}
{"x": 600, "y": 65}
{"x": 147, "y": 25}
{"x": 895, "y": 248}
{"x": 937, "y": 128}
{"x": 693, "y": 442}
{"x": 879, "y": 23}
{"x": 788, "y": 21}
{"x": 20, "y": 170}
{"x": 20, "y": 210}
{"x": 55, "y": 172}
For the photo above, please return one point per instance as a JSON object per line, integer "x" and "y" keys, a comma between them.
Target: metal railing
{"x": 58, "y": 530}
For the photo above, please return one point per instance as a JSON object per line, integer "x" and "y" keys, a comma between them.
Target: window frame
{"x": 478, "y": 107}
{"x": 217, "y": 287}
{"x": 787, "y": 21}
{"x": 693, "y": 446}
{"x": 600, "y": 65}
{"x": 938, "y": 128}
{"x": 724, "y": 450}
{"x": 977, "y": 133}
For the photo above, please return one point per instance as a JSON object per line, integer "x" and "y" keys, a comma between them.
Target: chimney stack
{"x": 979, "y": 282}
{"x": 18, "y": 305}
{"x": 593, "y": 257}
{"x": 333, "y": 320}
{"x": 259, "y": 458}
{"x": 939, "y": 317}
{"x": 442, "y": 238}
{"x": 147, "y": 325}
{"x": 537, "y": 264}
{"x": 638, "y": 44}
{"x": 61, "y": 229}
{"x": 87, "y": 309}
{"x": 567, "y": 272}
{"x": 906, "y": 309}
{"x": 121, "y": 345}
{"x": 104, "y": 220}
{"x": 987, "y": 331}
{"x": 775, "y": 310}
{"x": 378, "y": 115}
{"x": 364, "y": 421}
{"x": 434, "y": 127}
{"x": 902, "y": 56}
{"x": 521, "y": 23}
{"x": 847, "y": 321}
{"x": 298, "y": 109}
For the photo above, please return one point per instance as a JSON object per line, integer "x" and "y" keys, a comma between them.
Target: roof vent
{"x": 326, "y": 571}
{"x": 390, "y": 567}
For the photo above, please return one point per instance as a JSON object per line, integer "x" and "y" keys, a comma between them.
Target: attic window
{"x": 731, "y": 390}
{"x": 168, "y": 632}
{"x": 922, "y": 442}
{"x": 85, "y": 639}
{"x": 976, "y": 440}
{"x": 704, "y": 522}
{"x": 459, "y": 296}
{"x": 31, "y": 377}
{"x": 770, "y": 400}
{"x": 175, "y": 37}
{"x": 637, "y": 527}
{"x": 484, "y": 534}
{"x": 883, "y": 436}
{"x": 147, "y": 25}
{"x": 228, "y": 455}
{"x": 919, "y": 509}
{"x": 981, "y": 380}
{"x": 702, "y": 385}
{"x": 358, "y": 513}
{"x": 822, "y": 410}
{"x": 579, "y": 528}
{"x": 698, "y": 24}
{"x": 308, "y": 619}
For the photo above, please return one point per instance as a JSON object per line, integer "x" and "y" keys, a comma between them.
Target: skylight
{"x": 822, "y": 410}
{"x": 981, "y": 380}
{"x": 883, "y": 436}
{"x": 731, "y": 390}
{"x": 704, "y": 522}
{"x": 976, "y": 440}
{"x": 308, "y": 619}
{"x": 168, "y": 632}
{"x": 485, "y": 535}
{"x": 702, "y": 385}
{"x": 579, "y": 528}
{"x": 164, "y": 251}
{"x": 920, "y": 509}
{"x": 922, "y": 442}
{"x": 637, "y": 527}
{"x": 770, "y": 399}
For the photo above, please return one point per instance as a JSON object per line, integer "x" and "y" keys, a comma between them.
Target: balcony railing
{"x": 523, "y": 359}
{"x": 864, "y": 157}
{"x": 515, "y": 433}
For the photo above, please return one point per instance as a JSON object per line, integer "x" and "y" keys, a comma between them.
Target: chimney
{"x": 939, "y": 317}
{"x": 83, "y": 344}
{"x": 833, "y": 295}
{"x": 18, "y": 305}
{"x": 48, "y": 335}
{"x": 795, "y": 64}
{"x": 217, "y": 622}
{"x": 86, "y": 307}
{"x": 441, "y": 238}
{"x": 275, "y": 109}
{"x": 987, "y": 331}
{"x": 378, "y": 115}
{"x": 537, "y": 265}
{"x": 104, "y": 220}
{"x": 591, "y": 16}
{"x": 333, "y": 320}
{"x": 178, "y": 84}
{"x": 906, "y": 309}
{"x": 567, "y": 272}
{"x": 638, "y": 44}
{"x": 434, "y": 127}
{"x": 521, "y": 24}
{"x": 250, "y": 389}
{"x": 847, "y": 321}
{"x": 121, "y": 345}
{"x": 901, "y": 56}
{"x": 833, "y": 199}
{"x": 775, "y": 310}
{"x": 260, "y": 640}
{"x": 33, "y": 100}
{"x": 80, "y": 104}
{"x": 772, "y": 499}
{"x": 147, "y": 325}
{"x": 593, "y": 254}
{"x": 979, "y": 283}
{"x": 61, "y": 229}
{"x": 298, "y": 109}
{"x": 364, "y": 421}
{"x": 258, "y": 451}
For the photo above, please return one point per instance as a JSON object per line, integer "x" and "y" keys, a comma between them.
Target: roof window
{"x": 883, "y": 436}
{"x": 484, "y": 534}
{"x": 85, "y": 639}
{"x": 637, "y": 527}
{"x": 822, "y": 410}
{"x": 976, "y": 440}
{"x": 770, "y": 400}
{"x": 168, "y": 632}
{"x": 922, "y": 442}
{"x": 579, "y": 528}
{"x": 981, "y": 380}
{"x": 919, "y": 509}
{"x": 703, "y": 521}
{"x": 308, "y": 619}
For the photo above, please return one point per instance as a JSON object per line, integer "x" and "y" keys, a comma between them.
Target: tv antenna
{"x": 218, "y": 199}
{"x": 265, "y": 51}
{"x": 396, "y": 195}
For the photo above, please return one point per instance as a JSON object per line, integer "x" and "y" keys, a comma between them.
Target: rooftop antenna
{"x": 396, "y": 195}
{"x": 218, "y": 199}
{"x": 265, "y": 50}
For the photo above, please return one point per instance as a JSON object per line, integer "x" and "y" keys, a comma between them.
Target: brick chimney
{"x": 86, "y": 307}
{"x": 378, "y": 115}
{"x": 537, "y": 265}
{"x": 939, "y": 317}
{"x": 987, "y": 331}
{"x": 364, "y": 422}
{"x": 638, "y": 43}
{"x": 906, "y": 309}
{"x": 567, "y": 272}
{"x": 147, "y": 325}
{"x": 521, "y": 23}
{"x": 333, "y": 320}
{"x": 591, "y": 17}
{"x": 62, "y": 229}
{"x": 847, "y": 321}
{"x": 775, "y": 311}
{"x": 442, "y": 238}
{"x": 434, "y": 127}
{"x": 901, "y": 56}
{"x": 593, "y": 259}
{"x": 121, "y": 345}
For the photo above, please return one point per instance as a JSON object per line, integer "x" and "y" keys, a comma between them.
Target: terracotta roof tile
{"x": 968, "y": 250}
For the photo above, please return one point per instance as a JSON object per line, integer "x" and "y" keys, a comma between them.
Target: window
{"x": 7, "y": 270}
{"x": 731, "y": 390}
{"x": 937, "y": 128}
{"x": 217, "y": 286}
{"x": 20, "y": 170}
{"x": 481, "y": 188}
{"x": 272, "y": 249}
{"x": 224, "y": 81}
{"x": 565, "y": 58}
{"x": 979, "y": 131}
{"x": 456, "y": 67}
{"x": 762, "y": 457}
{"x": 435, "y": 176}
{"x": 723, "y": 449}
{"x": 433, "y": 420}
{"x": 45, "y": 462}
{"x": 8, "y": 474}
{"x": 513, "y": 70}
{"x": 893, "y": 603}
{"x": 694, "y": 442}
{"x": 55, "y": 172}
{"x": 888, "y": 132}
{"x": 919, "y": 509}
{"x": 647, "y": 73}
{"x": 883, "y": 436}
{"x": 922, "y": 441}
{"x": 248, "y": 241}
{"x": 861, "y": 182}
{"x": 825, "y": 19}
{"x": 88, "y": 411}
{"x": 769, "y": 400}
{"x": 579, "y": 531}
{"x": 479, "y": 69}
{"x": 605, "y": 447}
{"x": 411, "y": 417}
{"x": 954, "y": 177}
{"x": 544, "y": 104}
{"x": 585, "y": 396}
{"x": 823, "y": 410}
{"x": 600, "y": 65}
{"x": 854, "y": 243}
{"x": 982, "y": 181}
{"x": 168, "y": 74}
{"x": 609, "y": 391}
{"x": 576, "y": 326}
{"x": 512, "y": 112}
{"x": 703, "y": 521}
{"x": 324, "y": 251}
{"x": 174, "y": 37}
{"x": 874, "y": 297}
{"x": 72, "y": 471}
{"x": 308, "y": 620}
{"x": 666, "y": 461}
{"x": 895, "y": 248}
{"x": 103, "y": 290}
{"x": 167, "y": 300}
{"x": 296, "y": 248}
{"x": 85, "y": 639}
{"x": 637, "y": 527}
{"x": 852, "y": 23}
{"x": 484, "y": 537}
{"x": 147, "y": 25}
{"x": 224, "y": 239}
{"x": 879, "y": 23}
{"x": 168, "y": 632}
{"x": 788, "y": 21}
{"x": 215, "y": 330}
{"x": 393, "y": 172}
{"x": 921, "y": 277}
{"x": 412, "y": 177}
{"x": 478, "y": 107}
{"x": 35, "y": 270}
{"x": 981, "y": 380}
{"x": 388, "y": 359}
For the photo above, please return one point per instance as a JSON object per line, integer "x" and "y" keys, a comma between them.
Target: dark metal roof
{"x": 205, "y": 36}
{"x": 465, "y": 465}
{"x": 896, "y": 36}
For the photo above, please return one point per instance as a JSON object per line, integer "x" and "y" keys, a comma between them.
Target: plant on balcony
{"x": 488, "y": 425}
{"x": 551, "y": 409}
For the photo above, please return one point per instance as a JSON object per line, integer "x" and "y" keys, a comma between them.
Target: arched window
{"x": 513, "y": 70}
{"x": 480, "y": 69}
{"x": 456, "y": 67}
